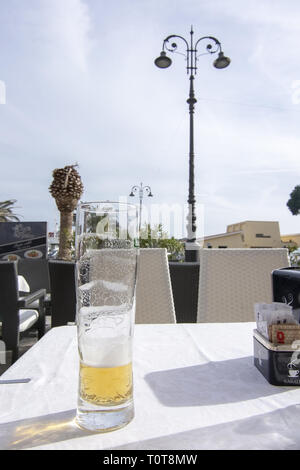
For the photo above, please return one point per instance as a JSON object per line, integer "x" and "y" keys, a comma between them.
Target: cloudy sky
{"x": 81, "y": 86}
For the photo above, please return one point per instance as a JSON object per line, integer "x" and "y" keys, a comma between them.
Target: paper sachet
{"x": 276, "y": 313}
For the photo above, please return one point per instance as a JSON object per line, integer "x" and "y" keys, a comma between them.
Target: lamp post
{"x": 163, "y": 61}
{"x": 140, "y": 190}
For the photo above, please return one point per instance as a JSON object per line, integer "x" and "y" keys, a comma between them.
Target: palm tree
{"x": 66, "y": 188}
{"x": 6, "y": 211}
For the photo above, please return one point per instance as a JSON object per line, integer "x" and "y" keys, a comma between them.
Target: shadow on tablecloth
{"x": 212, "y": 383}
{"x": 276, "y": 430}
{"x": 42, "y": 430}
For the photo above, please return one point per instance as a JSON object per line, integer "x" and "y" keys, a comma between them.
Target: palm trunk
{"x": 65, "y": 239}
{"x": 66, "y": 207}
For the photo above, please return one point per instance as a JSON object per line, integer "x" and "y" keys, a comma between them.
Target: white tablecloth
{"x": 195, "y": 388}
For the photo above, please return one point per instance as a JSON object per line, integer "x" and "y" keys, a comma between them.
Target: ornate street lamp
{"x": 141, "y": 190}
{"x": 163, "y": 61}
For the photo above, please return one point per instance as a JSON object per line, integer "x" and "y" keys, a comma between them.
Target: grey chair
{"x": 62, "y": 275}
{"x": 35, "y": 271}
{"x": 185, "y": 281}
{"x": 36, "y": 274}
{"x": 16, "y": 313}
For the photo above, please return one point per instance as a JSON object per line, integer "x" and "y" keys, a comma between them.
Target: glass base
{"x": 104, "y": 419}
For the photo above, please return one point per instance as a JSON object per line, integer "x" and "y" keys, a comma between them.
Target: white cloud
{"x": 65, "y": 31}
{"x": 262, "y": 12}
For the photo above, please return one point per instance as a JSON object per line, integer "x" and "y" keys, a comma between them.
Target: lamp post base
{"x": 192, "y": 252}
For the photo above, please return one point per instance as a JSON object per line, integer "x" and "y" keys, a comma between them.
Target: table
{"x": 195, "y": 388}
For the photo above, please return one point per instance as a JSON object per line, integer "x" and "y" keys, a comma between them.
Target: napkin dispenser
{"x": 279, "y": 364}
{"x": 286, "y": 288}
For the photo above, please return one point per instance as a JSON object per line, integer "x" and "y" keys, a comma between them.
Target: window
{"x": 222, "y": 246}
{"x": 261, "y": 235}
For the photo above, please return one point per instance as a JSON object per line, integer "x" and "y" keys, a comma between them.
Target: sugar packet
{"x": 276, "y": 313}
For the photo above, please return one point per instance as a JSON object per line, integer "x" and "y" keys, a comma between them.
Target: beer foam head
{"x": 106, "y": 352}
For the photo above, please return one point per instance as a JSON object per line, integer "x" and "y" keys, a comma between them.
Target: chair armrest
{"x": 28, "y": 299}
{"x": 27, "y": 302}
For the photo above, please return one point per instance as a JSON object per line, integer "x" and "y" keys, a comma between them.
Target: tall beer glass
{"x": 106, "y": 252}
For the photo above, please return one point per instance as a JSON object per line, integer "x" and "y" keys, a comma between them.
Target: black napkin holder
{"x": 280, "y": 365}
{"x": 286, "y": 288}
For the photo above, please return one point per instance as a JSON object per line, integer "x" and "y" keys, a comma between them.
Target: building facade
{"x": 247, "y": 234}
{"x": 291, "y": 241}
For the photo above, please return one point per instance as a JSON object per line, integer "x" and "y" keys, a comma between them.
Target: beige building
{"x": 248, "y": 234}
{"x": 291, "y": 240}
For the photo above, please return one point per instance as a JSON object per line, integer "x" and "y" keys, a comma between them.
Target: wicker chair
{"x": 154, "y": 298}
{"x": 232, "y": 280}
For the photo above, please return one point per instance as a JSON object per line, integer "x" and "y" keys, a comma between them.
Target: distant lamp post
{"x": 141, "y": 191}
{"x": 163, "y": 61}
